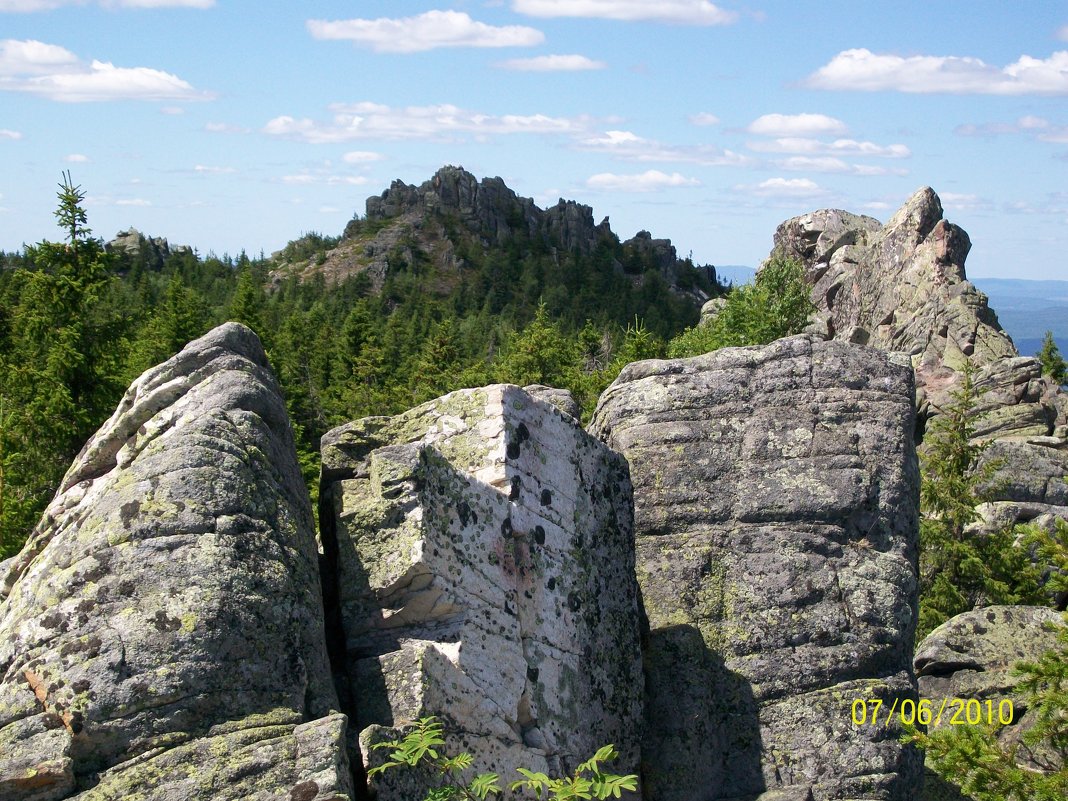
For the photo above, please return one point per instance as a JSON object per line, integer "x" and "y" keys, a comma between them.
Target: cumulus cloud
{"x": 76, "y": 158}
{"x": 133, "y": 201}
{"x": 7, "y": 133}
{"x": 426, "y": 31}
{"x": 679, "y": 12}
{"x": 225, "y": 127}
{"x": 48, "y": 5}
{"x": 832, "y": 164}
{"x": 628, "y": 146}
{"x": 862, "y": 70}
{"x": 557, "y": 63}
{"x": 361, "y": 157}
{"x": 704, "y": 118}
{"x": 376, "y": 121}
{"x": 785, "y": 188}
{"x": 308, "y": 177}
{"x": 57, "y": 74}
{"x": 1029, "y": 125}
{"x": 837, "y": 147}
{"x": 648, "y": 181}
{"x": 796, "y": 125}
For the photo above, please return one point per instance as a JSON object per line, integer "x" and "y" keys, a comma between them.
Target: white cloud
{"x": 57, "y": 74}
{"x": 76, "y": 158}
{"x": 961, "y": 201}
{"x": 361, "y": 157}
{"x": 1039, "y": 127}
{"x": 375, "y": 121}
{"x": 424, "y": 32}
{"x": 649, "y": 181}
{"x": 321, "y": 177}
{"x": 861, "y": 70}
{"x": 785, "y": 188}
{"x": 628, "y": 146}
{"x": 796, "y": 125}
{"x": 838, "y": 147}
{"x": 133, "y": 201}
{"x": 570, "y": 63}
{"x": 704, "y": 118}
{"x": 832, "y": 164}
{"x": 204, "y": 169}
{"x": 7, "y": 133}
{"x": 681, "y": 12}
{"x": 48, "y": 5}
{"x": 225, "y": 127}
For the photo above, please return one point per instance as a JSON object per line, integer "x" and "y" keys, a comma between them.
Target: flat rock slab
{"x": 776, "y": 512}
{"x": 485, "y": 555}
{"x": 161, "y": 633}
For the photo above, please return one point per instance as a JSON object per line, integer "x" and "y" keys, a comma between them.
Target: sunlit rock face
{"x": 485, "y": 574}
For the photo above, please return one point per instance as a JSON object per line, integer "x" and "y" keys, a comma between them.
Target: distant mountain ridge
{"x": 1027, "y": 309}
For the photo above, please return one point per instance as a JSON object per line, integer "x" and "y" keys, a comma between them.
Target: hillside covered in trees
{"x": 455, "y": 283}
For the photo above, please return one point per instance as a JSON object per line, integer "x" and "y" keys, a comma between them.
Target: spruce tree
{"x": 1052, "y": 362}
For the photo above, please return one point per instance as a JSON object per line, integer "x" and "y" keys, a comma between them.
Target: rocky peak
{"x": 150, "y": 251}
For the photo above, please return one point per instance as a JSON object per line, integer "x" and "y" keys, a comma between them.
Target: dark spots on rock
{"x": 86, "y": 606}
{"x": 128, "y": 512}
{"x": 523, "y": 432}
{"x": 517, "y": 483}
{"x": 305, "y": 791}
{"x": 77, "y": 723}
{"x": 164, "y": 623}
{"x": 532, "y": 673}
{"x": 126, "y": 588}
{"x": 527, "y": 593}
{"x": 80, "y": 686}
{"x": 512, "y": 452}
{"x": 539, "y": 535}
{"x": 506, "y": 527}
{"x": 90, "y": 645}
{"x": 574, "y": 603}
{"x": 546, "y": 498}
{"x": 508, "y": 610}
{"x": 52, "y": 621}
{"x": 466, "y": 513}
{"x": 551, "y": 583}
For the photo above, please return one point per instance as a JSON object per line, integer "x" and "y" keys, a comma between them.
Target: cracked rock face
{"x": 161, "y": 633}
{"x": 485, "y": 564}
{"x": 776, "y": 494}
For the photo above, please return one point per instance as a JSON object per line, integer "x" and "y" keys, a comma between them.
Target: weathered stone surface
{"x": 971, "y": 656}
{"x": 161, "y": 633}
{"x": 486, "y": 575}
{"x": 776, "y": 518}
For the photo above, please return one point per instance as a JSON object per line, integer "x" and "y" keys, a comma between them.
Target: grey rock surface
{"x": 970, "y": 658}
{"x": 161, "y": 633}
{"x": 485, "y": 573}
{"x": 776, "y": 494}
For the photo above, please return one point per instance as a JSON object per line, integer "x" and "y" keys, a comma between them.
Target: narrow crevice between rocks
{"x": 335, "y": 635}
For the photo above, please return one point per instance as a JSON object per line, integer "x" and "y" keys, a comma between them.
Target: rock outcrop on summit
{"x": 161, "y": 634}
{"x": 484, "y": 552}
{"x": 902, "y": 287}
{"x": 776, "y": 494}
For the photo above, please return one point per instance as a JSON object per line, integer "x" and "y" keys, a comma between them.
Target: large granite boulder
{"x": 161, "y": 634}
{"x": 484, "y": 552}
{"x": 776, "y": 493}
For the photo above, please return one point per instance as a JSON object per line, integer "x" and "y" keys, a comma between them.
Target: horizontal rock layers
{"x": 776, "y": 494}
{"x": 485, "y": 574}
{"x": 161, "y": 633}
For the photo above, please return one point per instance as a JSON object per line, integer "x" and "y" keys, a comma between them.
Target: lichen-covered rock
{"x": 776, "y": 520}
{"x": 161, "y": 634}
{"x": 485, "y": 571}
{"x": 971, "y": 657}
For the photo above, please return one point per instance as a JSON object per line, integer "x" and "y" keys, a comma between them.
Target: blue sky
{"x": 232, "y": 124}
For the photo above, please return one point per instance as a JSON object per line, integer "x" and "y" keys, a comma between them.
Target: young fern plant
{"x": 421, "y": 748}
